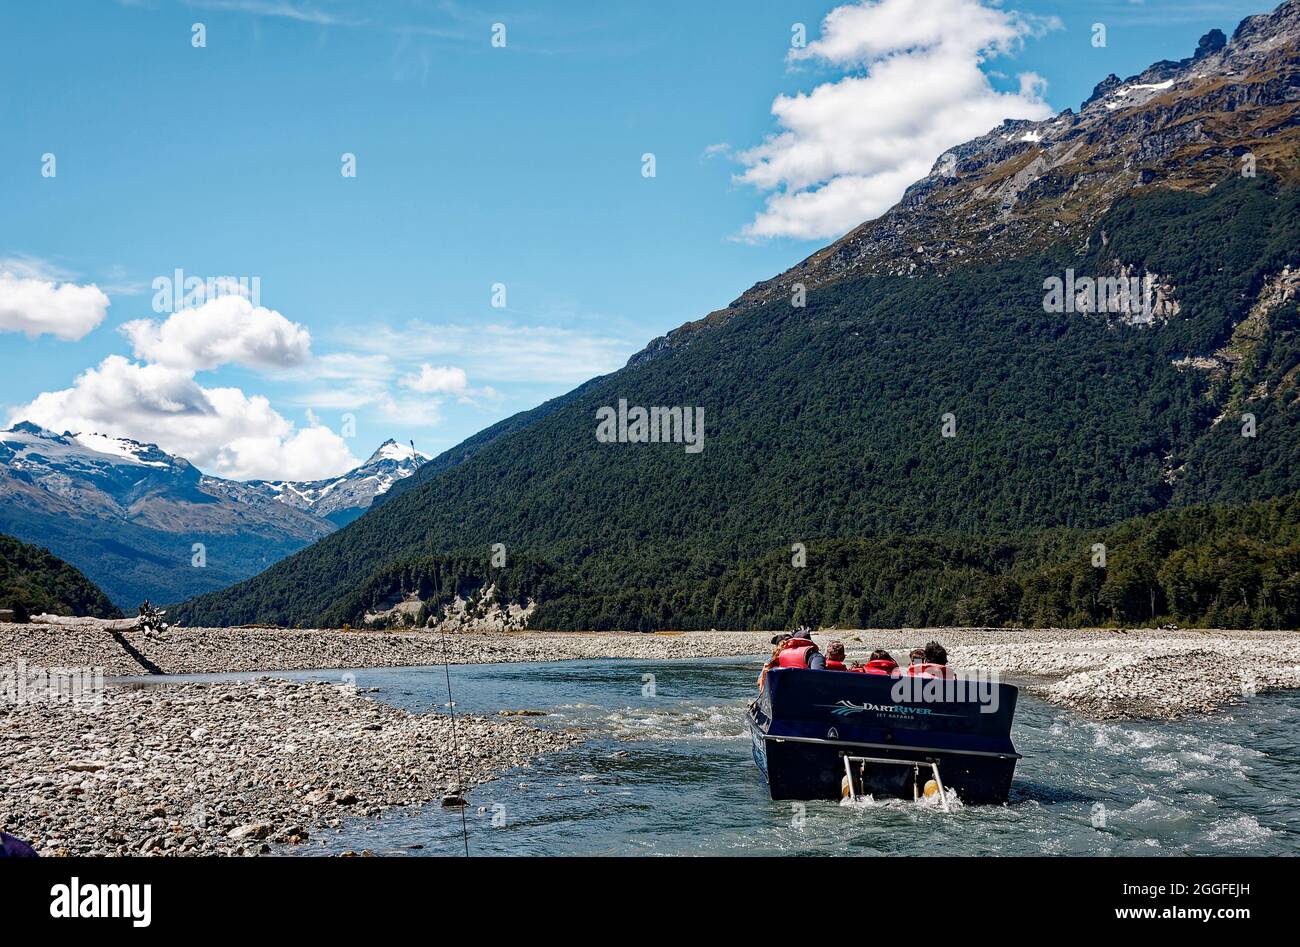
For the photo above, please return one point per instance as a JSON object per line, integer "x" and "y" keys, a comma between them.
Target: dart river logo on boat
{"x": 911, "y": 694}
{"x": 846, "y": 707}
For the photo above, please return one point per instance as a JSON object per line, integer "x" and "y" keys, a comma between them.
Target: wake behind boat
{"x": 888, "y": 735}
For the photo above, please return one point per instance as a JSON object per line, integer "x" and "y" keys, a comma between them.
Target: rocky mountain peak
{"x": 391, "y": 450}
{"x": 1211, "y": 42}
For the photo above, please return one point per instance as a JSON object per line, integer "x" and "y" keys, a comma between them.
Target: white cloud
{"x": 848, "y": 149}
{"x": 871, "y": 30}
{"x": 36, "y": 300}
{"x": 221, "y": 430}
{"x": 368, "y": 381}
{"x": 227, "y": 329}
{"x": 445, "y": 380}
{"x": 502, "y": 352}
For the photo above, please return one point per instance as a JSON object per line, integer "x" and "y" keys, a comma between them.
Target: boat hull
{"x": 806, "y": 723}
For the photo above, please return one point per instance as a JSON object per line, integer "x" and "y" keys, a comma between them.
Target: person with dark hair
{"x": 880, "y": 662}
{"x": 934, "y": 663}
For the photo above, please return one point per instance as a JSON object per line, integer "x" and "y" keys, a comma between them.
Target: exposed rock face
{"x": 1182, "y": 125}
{"x": 1229, "y": 363}
{"x": 1211, "y": 42}
{"x": 482, "y": 611}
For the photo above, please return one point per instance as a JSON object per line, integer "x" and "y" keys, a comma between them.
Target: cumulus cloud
{"x": 35, "y": 301}
{"x": 848, "y": 149}
{"x": 445, "y": 380}
{"x": 224, "y": 330}
{"x": 222, "y": 431}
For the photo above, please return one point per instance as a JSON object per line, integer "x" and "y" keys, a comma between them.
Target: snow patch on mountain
{"x": 343, "y": 499}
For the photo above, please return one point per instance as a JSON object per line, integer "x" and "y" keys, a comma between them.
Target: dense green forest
{"x": 1222, "y": 566}
{"x": 33, "y": 580}
{"x": 823, "y": 426}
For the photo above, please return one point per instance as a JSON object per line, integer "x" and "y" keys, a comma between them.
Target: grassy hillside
{"x": 33, "y": 581}
{"x": 823, "y": 426}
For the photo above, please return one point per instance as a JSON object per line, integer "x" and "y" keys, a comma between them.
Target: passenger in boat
{"x": 792, "y": 651}
{"x": 835, "y": 657}
{"x": 799, "y": 652}
{"x": 934, "y": 663}
{"x": 917, "y": 656}
{"x": 777, "y": 645}
{"x": 881, "y": 662}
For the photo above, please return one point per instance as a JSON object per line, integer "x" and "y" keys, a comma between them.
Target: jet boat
{"x": 828, "y": 734}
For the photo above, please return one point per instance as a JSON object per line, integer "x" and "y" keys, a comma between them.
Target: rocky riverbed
{"x": 233, "y": 768}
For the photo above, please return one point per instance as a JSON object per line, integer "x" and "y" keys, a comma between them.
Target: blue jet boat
{"x": 889, "y": 736}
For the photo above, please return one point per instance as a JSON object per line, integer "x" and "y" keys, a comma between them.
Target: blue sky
{"x": 475, "y": 165}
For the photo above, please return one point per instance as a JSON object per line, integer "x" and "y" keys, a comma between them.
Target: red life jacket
{"x": 878, "y": 666}
{"x": 795, "y": 657}
{"x": 835, "y": 665}
{"x": 932, "y": 670}
{"x": 795, "y": 652}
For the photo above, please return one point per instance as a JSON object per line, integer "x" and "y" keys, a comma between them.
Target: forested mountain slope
{"x": 33, "y": 580}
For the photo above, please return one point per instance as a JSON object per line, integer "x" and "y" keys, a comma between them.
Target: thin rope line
{"x": 451, "y": 706}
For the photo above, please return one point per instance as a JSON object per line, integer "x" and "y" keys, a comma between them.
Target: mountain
{"x": 1179, "y": 125}
{"x": 1100, "y": 308}
{"x": 130, "y": 515}
{"x": 342, "y": 499}
{"x": 33, "y": 581}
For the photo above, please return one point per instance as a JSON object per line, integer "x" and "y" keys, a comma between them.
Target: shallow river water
{"x": 667, "y": 770}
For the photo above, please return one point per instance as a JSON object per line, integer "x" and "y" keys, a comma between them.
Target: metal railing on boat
{"x": 916, "y": 769}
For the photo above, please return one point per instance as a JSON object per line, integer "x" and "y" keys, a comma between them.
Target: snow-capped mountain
{"x": 342, "y": 499}
{"x": 143, "y": 523}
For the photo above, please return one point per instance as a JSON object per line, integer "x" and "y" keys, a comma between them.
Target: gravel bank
{"x": 89, "y": 643}
{"x": 1109, "y": 674}
{"x": 1101, "y": 673}
{"x": 204, "y": 769}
